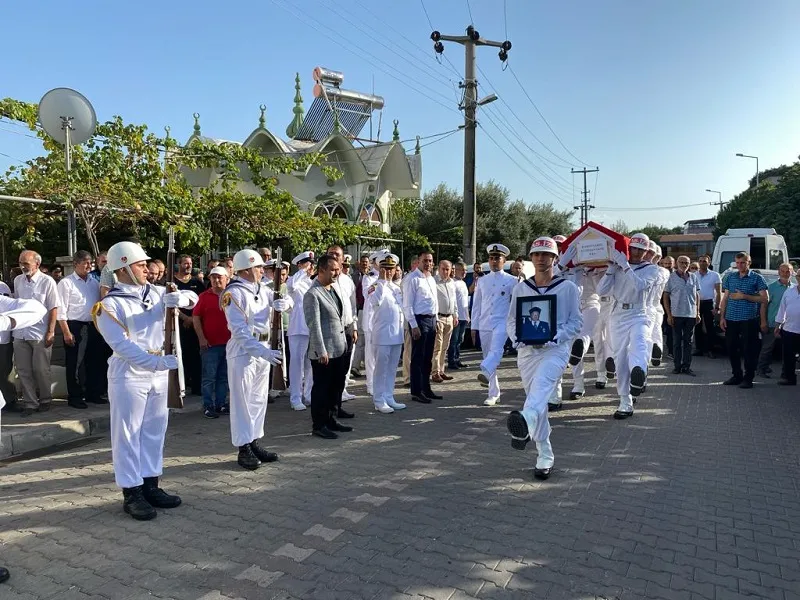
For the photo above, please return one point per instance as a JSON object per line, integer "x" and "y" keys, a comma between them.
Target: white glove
{"x": 5, "y": 323}
{"x": 280, "y": 305}
{"x": 611, "y": 269}
{"x": 551, "y": 344}
{"x": 518, "y": 345}
{"x": 172, "y": 299}
{"x": 273, "y": 357}
{"x": 167, "y": 363}
{"x": 555, "y": 339}
{"x": 619, "y": 258}
{"x": 568, "y": 255}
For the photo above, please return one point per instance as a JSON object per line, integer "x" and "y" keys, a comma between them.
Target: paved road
{"x": 696, "y": 497}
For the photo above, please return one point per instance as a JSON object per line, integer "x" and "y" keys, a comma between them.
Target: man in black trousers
{"x": 420, "y": 307}
{"x": 328, "y": 349}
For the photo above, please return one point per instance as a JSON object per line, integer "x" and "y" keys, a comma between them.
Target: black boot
{"x": 158, "y": 497}
{"x": 4, "y": 574}
{"x": 247, "y": 458}
{"x": 262, "y": 454}
{"x": 136, "y": 505}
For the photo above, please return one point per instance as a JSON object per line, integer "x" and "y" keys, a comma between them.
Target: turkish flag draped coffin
{"x": 592, "y": 240}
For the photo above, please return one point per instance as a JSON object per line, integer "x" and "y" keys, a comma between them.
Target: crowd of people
{"x": 330, "y": 318}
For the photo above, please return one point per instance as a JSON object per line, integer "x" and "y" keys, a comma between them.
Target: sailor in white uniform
{"x": 131, "y": 320}
{"x": 387, "y": 323}
{"x": 657, "y": 307}
{"x": 247, "y": 302}
{"x": 630, "y": 284}
{"x": 541, "y": 366}
{"x": 490, "y": 306}
{"x": 301, "y": 377}
{"x": 367, "y": 283}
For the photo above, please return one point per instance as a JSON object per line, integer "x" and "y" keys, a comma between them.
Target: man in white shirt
{"x": 710, "y": 296}
{"x": 300, "y": 374}
{"x": 407, "y": 330}
{"x": 490, "y": 305}
{"x": 78, "y": 293}
{"x": 33, "y": 345}
{"x": 462, "y": 306}
{"x": 446, "y": 319}
{"x": 367, "y": 285}
{"x": 420, "y": 306}
{"x": 787, "y": 327}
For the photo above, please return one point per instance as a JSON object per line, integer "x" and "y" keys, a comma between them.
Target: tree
{"x": 654, "y": 232}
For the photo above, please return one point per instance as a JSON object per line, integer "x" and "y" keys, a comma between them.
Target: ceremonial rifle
{"x": 276, "y": 332}
{"x": 172, "y": 338}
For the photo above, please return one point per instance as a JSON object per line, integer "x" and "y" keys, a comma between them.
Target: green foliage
{"x": 654, "y": 232}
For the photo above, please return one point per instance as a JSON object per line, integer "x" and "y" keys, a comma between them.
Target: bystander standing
{"x": 211, "y": 328}
{"x": 682, "y": 305}
{"x": 787, "y": 327}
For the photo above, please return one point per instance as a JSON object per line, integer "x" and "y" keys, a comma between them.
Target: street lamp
{"x": 720, "y": 203}
{"x": 740, "y": 155}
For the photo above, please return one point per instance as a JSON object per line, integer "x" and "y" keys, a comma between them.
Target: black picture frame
{"x": 536, "y": 335}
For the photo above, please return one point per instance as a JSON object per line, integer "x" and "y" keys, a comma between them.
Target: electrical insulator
{"x": 503, "y": 55}
{"x": 506, "y": 46}
{"x": 470, "y": 31}
{"x": 436, "y": 36}
{"x": 438, "y": 47}
{"x": 475, "y": 35}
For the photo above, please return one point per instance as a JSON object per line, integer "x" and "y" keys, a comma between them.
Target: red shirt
{"x": 214, "y": 323}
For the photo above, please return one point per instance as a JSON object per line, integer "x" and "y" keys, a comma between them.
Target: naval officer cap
{"x": 389, "y": 260}
{"x": 544, "y": 244}
{"x": 378, "y": 255}
{"x": 303, "y": 257}
{"x": 347, "y": 259}
{"x": 497, "y": 250}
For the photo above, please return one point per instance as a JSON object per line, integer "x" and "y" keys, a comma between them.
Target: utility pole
{"x": 584, "y": 205}
{"x": 719, "y": 201}
{"x": 470, "y": 104}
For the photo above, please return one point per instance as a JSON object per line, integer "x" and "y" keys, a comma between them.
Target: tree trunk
{"x": 89, "y": 224}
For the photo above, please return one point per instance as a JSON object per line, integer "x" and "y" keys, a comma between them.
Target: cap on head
{"x": 218, "y": 271}
{"x": 270, "y": 264}
{"x": 641, "y": 241}
{"x": 389, "y": 261}
{"x": 378, "y": 255}
{"x": 246, "y": 259}
{"x": 535, "y": 309}
{"x": 124, "y": 254}
{"x": 497, "y": 250}
{"x": 347, "y": 259}
{"x": 559, "y": 239}
{"x": 303, "y": 257}
{"x": 544, "y": 244}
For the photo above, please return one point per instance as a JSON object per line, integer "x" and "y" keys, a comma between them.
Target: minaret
{"x": 297, "y": 122}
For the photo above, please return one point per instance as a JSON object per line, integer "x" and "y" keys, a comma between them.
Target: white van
{"x": 766, "y": 247}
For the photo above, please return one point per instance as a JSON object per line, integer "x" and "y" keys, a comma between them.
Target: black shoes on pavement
{"x": 247, "y": 459}
{"x": 343, "y": 414}
{"x": 518, "y": 428}
{"x": 135, "y": 504}
{"x": 157, "y": 497}
{"x": 324, "y": 433}
{"x": 638, "y": 381}
{"x": 262, "y": 454}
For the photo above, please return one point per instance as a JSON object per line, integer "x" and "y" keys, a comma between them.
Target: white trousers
{"x": 139, "y": 416}
{"x": 656, "y": 333}
{"x": 301, "y": 377}
{"x": 630, "y": 338}
{"x": 248, "y": 380}
{"x": 540, "y": 370}
{"x": 386, "y": 360}
{"x": 591, "y": 327}
{"x": 369, "y": 360}
{"x": 492, "y": 343}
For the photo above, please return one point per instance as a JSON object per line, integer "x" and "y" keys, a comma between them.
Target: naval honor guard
{"x": 247, "y": 302}
{"x": 490, "y": 307}
{"x": 131, "y": 319}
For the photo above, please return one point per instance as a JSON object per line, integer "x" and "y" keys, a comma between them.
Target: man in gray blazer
{"x": 328, "y": 348}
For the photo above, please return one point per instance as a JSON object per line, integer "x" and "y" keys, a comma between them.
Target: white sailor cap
{"x": 544, "y": 244}
{"x": 559, "y": 239}
{"x": 389, "y": 260}
{"x": 347, "y": 259}
{"x": 270, "y": 264}
{"x": 497, "y": 250}
{"x": 218, "y": 271}
{"x": 302, "y": 257}
{"x": 378, "y": 255}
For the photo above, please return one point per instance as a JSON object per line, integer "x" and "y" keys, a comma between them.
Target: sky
{"x": 660, "y": 95}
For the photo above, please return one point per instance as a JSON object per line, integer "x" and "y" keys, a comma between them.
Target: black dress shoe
{"x": 611, "y": 367}
{"x": 599, "y": 385}
{"x": 262, "y": 454}
{"x": 541, "y": 474}
{"x": 44, "y": 407}
{"x": 26, "y": 412}
{"x": 638, "y": 381}
{"x": 421, "y": 399}
{"x": 432, "y": 396}
{"x": 623, "y": 414}
{"x": 688, "y": 371}
{"x": 75, "y": 404}
{"x": 334, "y": 425}
{"x": 463, "y": 365}
{"x": 98, "y": 400}
{"x": 158, "y": 497}
{"x": 135, "y": 504}
{"x": 453, "y": 366}
{"x": 554, "y": 407}
{"x": 576, "y": 354}
{"x": 343, "y": 414}
{"x": 4, "y": 574}
{"x": 746, "y": 385}
{"x": 247, "y": 458}
{"x": 732, "y": 381}
{"x": 575, "y": 395}
{"x": 676, "y": 371}
{"x": 324, "y": 433}
{"x": 656, "y": 357}
{"x": 518, "y": 428}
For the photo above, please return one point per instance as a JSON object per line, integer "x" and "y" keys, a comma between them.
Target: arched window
{"x": 370, "y": 215}
{"x": 334, "y": 211}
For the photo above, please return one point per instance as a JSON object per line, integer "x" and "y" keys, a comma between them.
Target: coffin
{"x": 594, "y": 243}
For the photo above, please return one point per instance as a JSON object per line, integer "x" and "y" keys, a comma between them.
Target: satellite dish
{"x": 67, "y": 116}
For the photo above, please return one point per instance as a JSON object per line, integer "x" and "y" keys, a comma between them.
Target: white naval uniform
{"x": 602, "y": 340}
{"x": 630, "y": 323}
{"x": 346, "y": 289}
{"x": 542, "y": 367}
{"x": 656, "y": 312}
{"x": 367, "y": 281}
{"x": 301, "y": 378}
{"x": 247, "y": 309}
{"x": 131, "y": 320}
{"x": 25, "y": 313}
{"x": 587, "y": 279}
{"x": 490, "y": 308}
{"x": 386, "y": 324}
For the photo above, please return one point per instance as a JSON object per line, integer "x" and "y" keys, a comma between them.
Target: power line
{"x": 596, "y": 177}
{"x": 528, "y": 96}
{"x": 469, "y": 10}
{"x": 427, "y": 16}
{"x": 505, "y": 16}
{"x": 444, "y": 137}
{"x": 640, "y": 208}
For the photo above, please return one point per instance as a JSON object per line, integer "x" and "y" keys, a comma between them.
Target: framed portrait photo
{"x": 536, "y": 319}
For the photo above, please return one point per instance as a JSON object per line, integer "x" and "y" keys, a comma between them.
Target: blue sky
{"x": 660, "y": 95}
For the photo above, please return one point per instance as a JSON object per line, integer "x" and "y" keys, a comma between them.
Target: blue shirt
{"x": 683, "y": 294}
{"x": 776, "y": 290}
{"x": 751, "y": 284}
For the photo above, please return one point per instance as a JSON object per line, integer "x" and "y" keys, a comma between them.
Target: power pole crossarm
{"x": 584, "y": 206}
